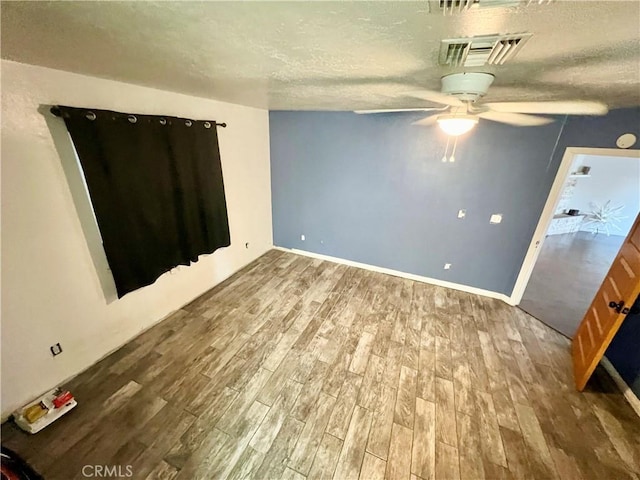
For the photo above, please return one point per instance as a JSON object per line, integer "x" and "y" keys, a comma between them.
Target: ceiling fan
{"x": 461, "y": 92}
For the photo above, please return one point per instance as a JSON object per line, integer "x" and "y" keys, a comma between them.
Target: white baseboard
{"x": 622, "y": 385}
{"x": 396, "y": 273}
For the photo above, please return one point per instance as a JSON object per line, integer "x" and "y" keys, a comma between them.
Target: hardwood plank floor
{"x": 566, "y": 277}
{"x": 301, "y": 368}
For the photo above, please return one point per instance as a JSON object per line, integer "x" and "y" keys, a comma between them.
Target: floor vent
{"x": 481, "y": 50}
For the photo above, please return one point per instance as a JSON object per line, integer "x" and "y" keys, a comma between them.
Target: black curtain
{"x": 156, "y": 188}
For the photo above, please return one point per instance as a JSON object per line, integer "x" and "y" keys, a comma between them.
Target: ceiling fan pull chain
{"x": 446, "y": 150}
{"x": 455, "y": 144}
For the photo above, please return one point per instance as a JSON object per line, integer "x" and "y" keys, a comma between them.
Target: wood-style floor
{"x": 567, "y": 275}
{"x": 297, "y": 368}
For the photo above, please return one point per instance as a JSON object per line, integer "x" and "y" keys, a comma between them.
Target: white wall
{"x": 51, "y": 276}
{"x": 612, "y": 178}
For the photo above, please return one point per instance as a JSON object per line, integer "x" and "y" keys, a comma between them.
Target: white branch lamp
{"x": 455, "y": 125}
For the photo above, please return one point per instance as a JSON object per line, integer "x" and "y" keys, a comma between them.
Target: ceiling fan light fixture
{"x": 455, "y": 125}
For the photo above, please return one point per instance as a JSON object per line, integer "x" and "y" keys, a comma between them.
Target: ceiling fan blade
{"x": 392, "y": 110}
{"x": 436, "y": 97}
{"x": 427, "y": 121}
{"x": 562, "y": 107}
{"x": 517, "y": 119}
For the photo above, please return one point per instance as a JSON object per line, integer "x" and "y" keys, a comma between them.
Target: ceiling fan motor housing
{"x": 468, "y": 87}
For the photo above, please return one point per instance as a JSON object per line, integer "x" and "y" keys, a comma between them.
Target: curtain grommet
{"x": 132, "y": 119}
{"x": 163, "y": 121}
{"x": 188, "y": 123}
{"x": 90, "y": 116}
{"x": 207, "y": 125}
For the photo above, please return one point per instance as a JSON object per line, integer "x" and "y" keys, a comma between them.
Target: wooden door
{"x": 606, "y": 313}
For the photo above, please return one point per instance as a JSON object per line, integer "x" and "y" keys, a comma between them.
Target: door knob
{"x": 619, "y": 307}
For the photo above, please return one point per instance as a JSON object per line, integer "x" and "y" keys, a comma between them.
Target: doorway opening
{"x": 590, "y": 210}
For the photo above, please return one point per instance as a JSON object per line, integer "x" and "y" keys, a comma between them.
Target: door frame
{"x": 550, "y": 206}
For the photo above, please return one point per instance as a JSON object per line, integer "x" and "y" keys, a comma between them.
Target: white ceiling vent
{"x": 457, "y": 6}
{"x": 481, "y": 50}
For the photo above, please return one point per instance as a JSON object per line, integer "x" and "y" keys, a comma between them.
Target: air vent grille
{"x": 481, "y": 50}
{"x": 453, "y": 6}
{"x": 450, "y": 7}
{"x": 456, "y": 53}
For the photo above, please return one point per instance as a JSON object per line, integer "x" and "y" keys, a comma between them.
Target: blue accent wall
{"x": 373, "y": 189}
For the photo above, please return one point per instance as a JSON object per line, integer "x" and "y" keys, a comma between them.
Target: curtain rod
{"x": 56, "y": 111}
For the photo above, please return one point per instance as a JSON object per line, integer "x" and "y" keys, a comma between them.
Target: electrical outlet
{"x": 56, "y": 349}
{"x": 302, "y": 237}
{"x": 496, "y": 218}
{"x": 447, "y": 266}
{"x": 462, "y": 213}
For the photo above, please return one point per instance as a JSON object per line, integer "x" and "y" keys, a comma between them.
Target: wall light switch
{"x": 302, "y": 237}
{"x": 496, "y": 218}
{"x": 462, "y": 213}
{"x": 447, "y": 266}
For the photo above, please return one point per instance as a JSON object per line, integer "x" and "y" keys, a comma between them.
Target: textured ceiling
{"x": 328, "y": 55}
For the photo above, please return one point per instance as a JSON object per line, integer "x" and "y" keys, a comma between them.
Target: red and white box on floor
{"x": 44, "y": 411}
